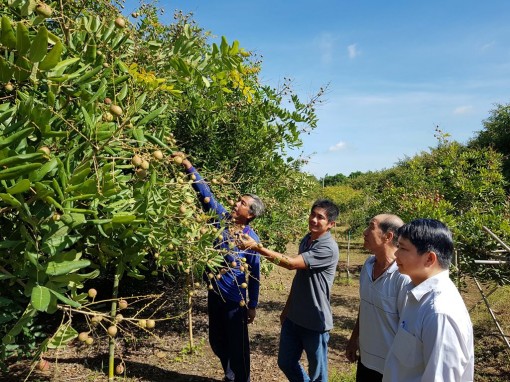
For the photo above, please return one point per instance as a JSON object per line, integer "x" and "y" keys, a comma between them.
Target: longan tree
{"x": 92, "y": 105}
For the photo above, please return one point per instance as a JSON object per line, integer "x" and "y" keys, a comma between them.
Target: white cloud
{"x": 488, "y": 46}
{"x": 339, "y": 146}
{"x": 462, "y": 110}
{"x": 353, "y": 51}
{"x": 326, "y": 44}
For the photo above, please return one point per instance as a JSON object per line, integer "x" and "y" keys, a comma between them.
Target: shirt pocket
{"x": 387, "y": 304}
{"x": 408, "y": 349}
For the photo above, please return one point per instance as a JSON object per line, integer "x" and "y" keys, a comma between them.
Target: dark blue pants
{"x": 363, "y": 374}
{"x": 293, "y": 340}
{"x": 228, "y": 336}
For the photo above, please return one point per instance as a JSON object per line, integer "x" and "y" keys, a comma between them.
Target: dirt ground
{"x": 164, "y": 356}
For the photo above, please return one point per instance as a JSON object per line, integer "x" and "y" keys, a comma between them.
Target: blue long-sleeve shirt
{"x": 229, "y": 285}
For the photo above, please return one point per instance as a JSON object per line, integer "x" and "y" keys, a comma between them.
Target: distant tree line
{"x": 466, "y": 186}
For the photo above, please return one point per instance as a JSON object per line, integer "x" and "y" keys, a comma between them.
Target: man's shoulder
{"x": 250, "y": 231}
{"x": 327, "y": 240}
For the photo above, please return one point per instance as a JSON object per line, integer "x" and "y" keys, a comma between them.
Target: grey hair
{"x": 257, "y": 206}
{"x": 391, "y": 223}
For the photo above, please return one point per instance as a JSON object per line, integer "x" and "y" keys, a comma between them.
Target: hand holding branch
{"x": 245, "y": 241}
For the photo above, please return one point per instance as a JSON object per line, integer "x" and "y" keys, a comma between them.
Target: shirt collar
{"x": 307, "y": 243}
{"x": 326, "y": 235}
{"x": 392, "y": 267}
{"x": 429, "y": 285}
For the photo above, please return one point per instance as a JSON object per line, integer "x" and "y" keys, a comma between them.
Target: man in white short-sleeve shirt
{"x": 382, "y": 297}
{"x": 434, "y": 341}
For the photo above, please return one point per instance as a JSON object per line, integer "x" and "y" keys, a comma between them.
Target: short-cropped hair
{"x": 257, "y": 206}
{"x": 330, "y": 208}
{"x": 430, "y": 235}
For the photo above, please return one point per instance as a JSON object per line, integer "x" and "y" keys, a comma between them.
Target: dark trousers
{"x": 364, "y": 374}
{"x": 228, "y": 336}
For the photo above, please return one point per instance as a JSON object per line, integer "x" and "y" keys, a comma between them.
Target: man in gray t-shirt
{"x": 306, "y": 319}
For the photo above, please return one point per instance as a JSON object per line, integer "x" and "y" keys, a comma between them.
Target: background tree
{"x": 334, "y": 180}
{"x": 462, "y": 186}
{"x": 496, "y": 134}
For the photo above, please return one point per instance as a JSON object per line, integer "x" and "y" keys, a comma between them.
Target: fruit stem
{"x": 190, "y": 315}
{"x": 113, "y": 312}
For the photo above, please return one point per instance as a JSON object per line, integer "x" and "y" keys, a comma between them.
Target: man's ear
{"x": 430, "y": 259}
{"x": 389, "y": 236}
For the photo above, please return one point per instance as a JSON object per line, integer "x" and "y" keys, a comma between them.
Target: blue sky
{"x": 395, "y": 69}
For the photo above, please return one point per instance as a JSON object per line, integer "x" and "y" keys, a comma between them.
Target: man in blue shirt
{"x": 307, "y": 319}
{"x": 229, "y": 310}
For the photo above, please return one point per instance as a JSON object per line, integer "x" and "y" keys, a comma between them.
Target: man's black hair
{"x": 330, "y": 207}
{"x": 430, "y": 235}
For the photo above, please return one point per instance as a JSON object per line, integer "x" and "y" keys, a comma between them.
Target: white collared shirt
{"x": 434, "y": 341}
{"x": 381, "y": 303}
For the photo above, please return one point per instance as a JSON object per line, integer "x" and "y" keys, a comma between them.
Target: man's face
{"x": 373, "y": 236}
{"x": 318, "y": 223}
{"x": 408, "y": 260}
{"x": 241, "y": 211}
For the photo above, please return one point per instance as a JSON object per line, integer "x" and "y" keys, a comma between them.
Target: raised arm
{"x": 287, "y": 262}
{"x": 206, "y": 196}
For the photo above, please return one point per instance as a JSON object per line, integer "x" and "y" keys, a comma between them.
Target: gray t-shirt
{"x": 309, "y": 304}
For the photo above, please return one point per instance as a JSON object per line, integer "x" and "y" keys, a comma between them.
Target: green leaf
{"x": 5, "y": 71}
{"x": 135, "y": 275}
{"x": 224, "y": 46}
{"x": 60, "y": 67}
{"x": 58, "y": 243}
{"x": 91, "y": 52}
{"x": 28, "y": 7}
{"x": 187, "y": 31}
{"x": 121, "y": 219}
{"x": 7, "y": 36}
{"x": 9, "y": 199}
{"x": 22, "y": 186}
{"x": 75, "y": 277}
{"x": 62, "y": 337}
{"x": 39, "y": 46}
{"x": 15, "y": 138}
{"x": 235, "y": 48}
{"x": 17, "y": 171}
{"x": 21, "y": 158}
{"x": 138, "y": 135}
{"x": 9, "y": 243}
{"x": 33, "y": 258}
{"x": 22, "y": 39}
{"x": 53, "y": 57}
{"x": 40, "y": 298}
{"x": 22, "y": 68}
{"x": 41, "y": 172}
{"x": 72, "y": 255}
{"x": 123, "y": 92}
{"x": 73, "y": 220}
{"x": 25, "y": 319}
{"x": 153, "y": 114}
{"x": 42, "y": 190}
{"x": 62, "y": 268}
{"x": 64, "y": 299}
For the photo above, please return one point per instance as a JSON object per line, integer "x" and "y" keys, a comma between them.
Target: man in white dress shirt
{"x": 382, "y": 297}
{"x": 434, "y": 341}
